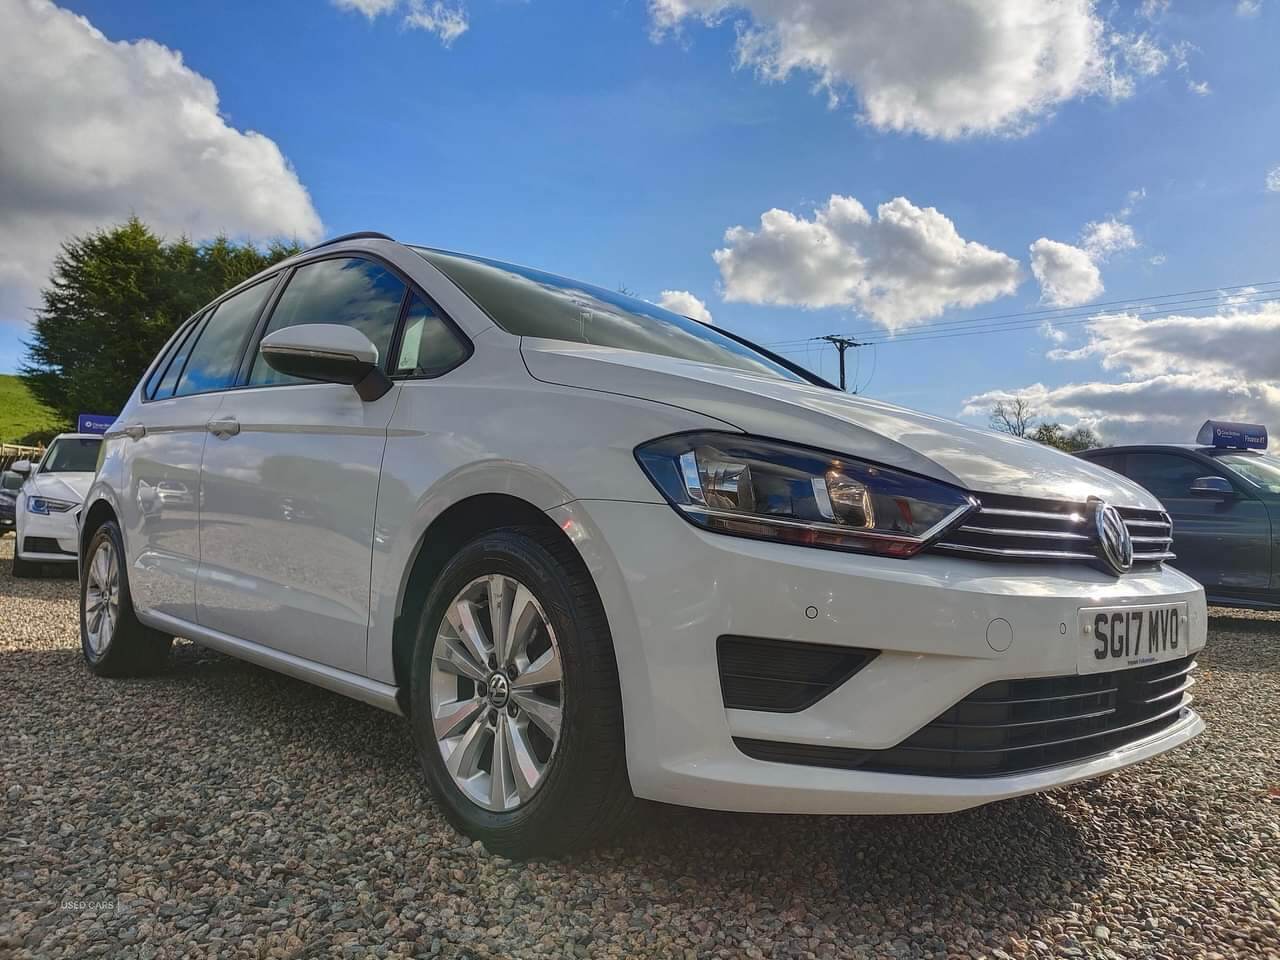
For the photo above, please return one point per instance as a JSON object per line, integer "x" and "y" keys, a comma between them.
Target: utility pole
{"x": 842, "y": 344}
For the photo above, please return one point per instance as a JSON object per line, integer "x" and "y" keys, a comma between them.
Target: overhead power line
{"x": 916, "y": 337}
{"x": 1056, "y": 315}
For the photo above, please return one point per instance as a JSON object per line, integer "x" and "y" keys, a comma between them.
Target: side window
{"x": 350, "y": 291}
{"x": 162, "y": 359}
{"x": 215, "y": 358}
{"x": 1112, "y": 461}
{"x": 428, "y": 346}
{"x": 1166, "y": 475}
{"x": 169, "y": 375}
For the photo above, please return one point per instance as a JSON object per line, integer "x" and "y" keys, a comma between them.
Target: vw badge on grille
{"x": 1113, "y": 537}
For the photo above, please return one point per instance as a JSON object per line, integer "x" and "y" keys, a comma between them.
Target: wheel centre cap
{"x": 498, "y": 688}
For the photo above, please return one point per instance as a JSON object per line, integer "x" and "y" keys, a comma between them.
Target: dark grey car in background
{"x": 10, "y": 482}
{"x": 1223, "y": 494}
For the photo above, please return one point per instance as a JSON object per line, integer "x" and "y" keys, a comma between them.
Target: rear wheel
{"x": 515, "y": 701}
{"x": 113, "y": 641}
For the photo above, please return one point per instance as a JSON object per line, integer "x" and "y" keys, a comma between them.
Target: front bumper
{"x": 671, "y": 590}
{"x": 48, "y": 539}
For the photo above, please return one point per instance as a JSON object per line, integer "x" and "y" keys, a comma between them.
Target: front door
{"x": 1225, "y": 543}
{"x": 163, "y": 440}
{"x": 290, "y": 483}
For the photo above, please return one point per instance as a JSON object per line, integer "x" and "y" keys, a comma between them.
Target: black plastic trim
{"x": 783, "y": 676}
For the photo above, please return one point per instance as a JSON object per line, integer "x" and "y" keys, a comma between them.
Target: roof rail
{"x": 359, "y": 235}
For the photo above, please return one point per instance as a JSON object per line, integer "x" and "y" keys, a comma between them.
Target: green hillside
{"x": 20, "y": 412}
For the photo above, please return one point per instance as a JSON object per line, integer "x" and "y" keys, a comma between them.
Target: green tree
{"x": 113, "y": 298}
{"x": 1072, "y": 441}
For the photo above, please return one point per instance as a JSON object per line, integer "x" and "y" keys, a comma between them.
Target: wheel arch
{"x": 457, "y": 525}
{"x": 95, "y": 515}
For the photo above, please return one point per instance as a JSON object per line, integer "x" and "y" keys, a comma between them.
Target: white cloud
{"x": 370, "y": 8}
{"x": 1248, "y": 8}
{"x": 1157, "y": 260}
{"x": 1141, "y": 54}
{"x": 904, "y": 265}
{"x": 1175, "y": 372}
{"x": 1273, "y": 179}
{"x": 1181, "y": 52}
{"x": 96, "y": 130}
{"x": 1154, "y": 9}
{"x": 684, "y": 303}
{"x": 949, "y": 68}
{"x": 447, "y": 21}
{"x": 1068, "y": 275}
{"x": 1102, "y": 238}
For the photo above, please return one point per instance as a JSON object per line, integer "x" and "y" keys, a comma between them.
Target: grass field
{"x": 20, "y": 412}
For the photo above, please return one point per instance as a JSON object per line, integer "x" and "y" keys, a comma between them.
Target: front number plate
{"x": 1112, "y": 638}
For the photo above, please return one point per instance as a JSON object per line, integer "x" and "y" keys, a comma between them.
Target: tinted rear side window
{"x": 1112, "y": 461}
{"x": 346, "y": 290}
{"x": 173, "y": 367}
{"x": 530, "y": 303}
{"x": 1167, "y": 475}
{"x": 215, "y": 358}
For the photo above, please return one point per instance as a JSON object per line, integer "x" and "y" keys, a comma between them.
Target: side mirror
{"x": 329, "y": 353}
{"x": 21, "y": 467}
{"x": 1212, "y": 487}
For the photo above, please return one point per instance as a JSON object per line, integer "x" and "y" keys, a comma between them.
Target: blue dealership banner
{"x": 94, "y": 422}
{"x": 1240, "y": 436}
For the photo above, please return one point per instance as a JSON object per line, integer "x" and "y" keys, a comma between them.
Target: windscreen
{"x": 530, "y": 303}
{"x": 1263, "y": 470}
{"x": 72, "y": 455}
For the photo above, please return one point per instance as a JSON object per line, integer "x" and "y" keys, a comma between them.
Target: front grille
{"x": 1018, "y": 528}
{"x": 1012, "y": 726}
{"x": 783, "y": 676}
{"x": 43, "y": 545}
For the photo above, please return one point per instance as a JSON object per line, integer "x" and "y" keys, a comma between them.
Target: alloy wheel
{"x": 497, "y": 692}
{"x": 102, "y": 597}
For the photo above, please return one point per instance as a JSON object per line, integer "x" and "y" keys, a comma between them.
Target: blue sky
{"x": 570, "y": 136}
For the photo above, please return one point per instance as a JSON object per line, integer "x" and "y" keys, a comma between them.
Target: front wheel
{"x": 515, "y": 702}
{"x": 113, "y": 641}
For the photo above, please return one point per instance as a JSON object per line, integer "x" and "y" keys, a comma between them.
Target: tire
{"x": 118, "y": 645}
{"x": 25, "y": 569}
{"x": 582, "y": 795}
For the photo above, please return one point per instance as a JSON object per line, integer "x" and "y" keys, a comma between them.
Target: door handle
{"x": 134, "y": 431}
{"x": 224, "y": 427}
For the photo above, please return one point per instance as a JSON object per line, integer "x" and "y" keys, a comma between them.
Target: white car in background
{"x": 596, "y": 550}
{"x": 46, "y": 505}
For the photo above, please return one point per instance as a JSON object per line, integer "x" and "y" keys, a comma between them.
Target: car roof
{"x": 76, "y": 436}
{"x": 1151, "y": 447}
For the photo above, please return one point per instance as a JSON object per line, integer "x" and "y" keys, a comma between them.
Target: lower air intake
{"x": 1013, "y": 726}
{"x": 782, "y": 676}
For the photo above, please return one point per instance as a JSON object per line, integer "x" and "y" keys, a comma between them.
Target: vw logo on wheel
{"x": 1113, "y": 537}
{"x": 499, "y": 690}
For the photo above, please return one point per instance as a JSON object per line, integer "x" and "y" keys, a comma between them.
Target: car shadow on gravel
{"x": 286, "y": 710}
{"x": 1025, "y": 848}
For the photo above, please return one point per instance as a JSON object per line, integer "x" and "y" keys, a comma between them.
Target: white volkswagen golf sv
{"x": 594, "y": 551}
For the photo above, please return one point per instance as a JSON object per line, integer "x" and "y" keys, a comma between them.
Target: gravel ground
{"x": 221, "y": 810}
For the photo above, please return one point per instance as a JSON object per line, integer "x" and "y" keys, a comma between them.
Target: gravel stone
{"x": 220, "y": 810}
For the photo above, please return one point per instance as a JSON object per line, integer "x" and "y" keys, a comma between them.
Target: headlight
{"x": 775, "y": 491}
{"x": 47, "y": 505}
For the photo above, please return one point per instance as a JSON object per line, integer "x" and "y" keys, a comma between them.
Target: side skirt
{"x": 380, "y": 695}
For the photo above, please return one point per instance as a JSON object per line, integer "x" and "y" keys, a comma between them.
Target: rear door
{"x": 290, "y": 481}
{"x": 164, "y": 438}
{"x": 1222, "y": 542}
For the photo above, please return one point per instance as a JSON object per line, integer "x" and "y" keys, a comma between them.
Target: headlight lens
{"x": 775, "y": 491}
{"x": 47, "y": 505}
